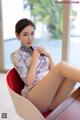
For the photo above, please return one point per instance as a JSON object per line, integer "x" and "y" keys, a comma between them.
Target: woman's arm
{"x": 32, "y": 70}
{"x": 17, "y": 59}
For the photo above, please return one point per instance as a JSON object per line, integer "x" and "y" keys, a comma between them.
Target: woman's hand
{"x": 42, "y": 51}
{"x": 35, "y": 54}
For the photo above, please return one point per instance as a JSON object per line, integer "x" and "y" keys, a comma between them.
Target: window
{"x": 74, "y": 53}
{"x": 48, "y": 34}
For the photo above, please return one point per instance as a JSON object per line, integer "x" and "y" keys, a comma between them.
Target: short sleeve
{"x": 18, "y": 61}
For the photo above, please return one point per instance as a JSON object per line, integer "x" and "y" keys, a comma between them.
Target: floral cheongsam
{"x": 21, "y": 60}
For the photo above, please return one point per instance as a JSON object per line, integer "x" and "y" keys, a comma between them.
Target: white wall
{"x": 12, "y": 11}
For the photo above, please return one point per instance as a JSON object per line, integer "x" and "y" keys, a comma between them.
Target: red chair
{"x": 23, "y": 107}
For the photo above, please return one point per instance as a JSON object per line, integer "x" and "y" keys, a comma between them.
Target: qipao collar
{"x": 27, "y": 49}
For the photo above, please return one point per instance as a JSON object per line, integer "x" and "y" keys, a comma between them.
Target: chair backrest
{"x": 14, "y": 81}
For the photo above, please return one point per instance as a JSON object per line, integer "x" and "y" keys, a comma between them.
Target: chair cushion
{"x": 45, "y": 114}
{"x": 14, "y": 81}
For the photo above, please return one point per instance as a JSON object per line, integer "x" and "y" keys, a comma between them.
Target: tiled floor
{"x": 6, "y": 105}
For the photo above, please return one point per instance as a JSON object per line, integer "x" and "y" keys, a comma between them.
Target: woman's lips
{"x": 29, "y": 43}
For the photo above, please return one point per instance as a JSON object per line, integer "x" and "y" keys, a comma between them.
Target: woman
{"x": 46, "y": 84}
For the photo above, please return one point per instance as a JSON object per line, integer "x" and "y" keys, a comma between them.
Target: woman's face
{"x": 26, "y": 36}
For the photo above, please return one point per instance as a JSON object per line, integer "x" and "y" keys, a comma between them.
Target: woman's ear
{"x": 17, "y": 35}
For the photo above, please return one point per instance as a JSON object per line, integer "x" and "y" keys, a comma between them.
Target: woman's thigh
{"x": 64, "y": 91}
{"x": 43, "y": 93}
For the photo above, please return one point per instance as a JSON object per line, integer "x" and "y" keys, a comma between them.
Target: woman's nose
{"x": 29, "y": 37}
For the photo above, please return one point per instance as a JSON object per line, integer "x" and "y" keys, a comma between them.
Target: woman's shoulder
{"x": 18, "y": 54}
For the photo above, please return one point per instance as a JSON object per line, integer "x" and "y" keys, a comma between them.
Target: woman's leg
{"x": 63, "y": 92}
{"x": 44, "y": 92}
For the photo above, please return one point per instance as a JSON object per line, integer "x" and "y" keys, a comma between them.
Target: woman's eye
{"x": 24, "y": 34}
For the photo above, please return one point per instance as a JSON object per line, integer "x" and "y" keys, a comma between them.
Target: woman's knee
{"x": 61, "y": 64}
{"x": 60, "y": 67}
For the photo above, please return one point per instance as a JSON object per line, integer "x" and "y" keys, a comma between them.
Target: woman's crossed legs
{"x": 55, "y": 87}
